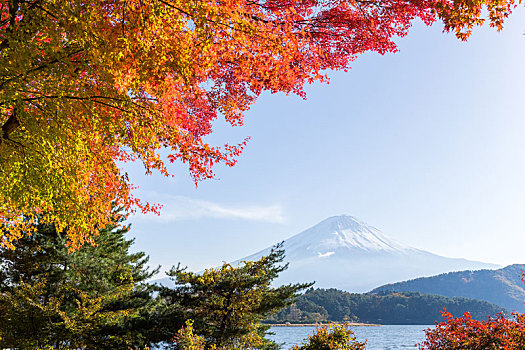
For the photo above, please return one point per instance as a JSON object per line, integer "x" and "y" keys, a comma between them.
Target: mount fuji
{"x": 344, "y": 253}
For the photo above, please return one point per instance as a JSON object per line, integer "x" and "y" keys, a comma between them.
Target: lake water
{"x": 389, "y": 337}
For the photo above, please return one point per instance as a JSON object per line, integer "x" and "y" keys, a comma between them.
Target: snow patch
{"x": 324, "y": 255}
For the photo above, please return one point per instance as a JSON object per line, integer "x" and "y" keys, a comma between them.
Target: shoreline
{"x": 351, "y": 324}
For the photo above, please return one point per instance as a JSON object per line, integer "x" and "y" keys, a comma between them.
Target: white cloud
{"x": 176, "y": 208}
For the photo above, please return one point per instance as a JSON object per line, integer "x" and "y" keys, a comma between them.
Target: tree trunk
{"x": 10, "y": 126}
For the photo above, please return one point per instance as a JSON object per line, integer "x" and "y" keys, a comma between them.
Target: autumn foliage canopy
{"x": 87, "y": 85}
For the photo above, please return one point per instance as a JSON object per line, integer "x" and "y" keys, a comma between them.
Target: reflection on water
{"x": 390, "y": 337}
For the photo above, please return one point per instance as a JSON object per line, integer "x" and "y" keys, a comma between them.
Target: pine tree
{"x": 227, "y": 304}
{"x": 94, "y": 297}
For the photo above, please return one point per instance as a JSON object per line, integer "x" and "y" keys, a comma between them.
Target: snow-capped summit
{"x": 345, "y": 253}
{"x": 344, "y": 232}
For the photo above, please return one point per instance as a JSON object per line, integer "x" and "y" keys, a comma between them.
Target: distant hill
{"x": 345, "y": 253}
{"x": 502, "y": 287}
{"x": 318, "y": 305}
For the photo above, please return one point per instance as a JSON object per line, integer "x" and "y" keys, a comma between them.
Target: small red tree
{"x": 466, "y": 333}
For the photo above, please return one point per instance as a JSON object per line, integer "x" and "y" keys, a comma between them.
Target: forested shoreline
{"x": 325, "y": 305}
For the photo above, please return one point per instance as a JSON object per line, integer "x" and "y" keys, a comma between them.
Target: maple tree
{"x": 461, "y": 16}
{"x": 464, "y": 332}
{"x": 467, "y": 333}
{"x": 86, "y": 85}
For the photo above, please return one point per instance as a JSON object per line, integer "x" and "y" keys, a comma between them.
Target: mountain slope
{"x": 345, "y": 253}
{"x": 502, "y": 287}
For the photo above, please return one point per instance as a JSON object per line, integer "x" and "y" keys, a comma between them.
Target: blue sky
{"x": 426, "y": 144}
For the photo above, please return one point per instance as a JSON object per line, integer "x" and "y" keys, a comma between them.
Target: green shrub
{"x": 331, "y": 337}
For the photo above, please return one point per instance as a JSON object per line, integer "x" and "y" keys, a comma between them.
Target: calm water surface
{"x": 390, "y": 337}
